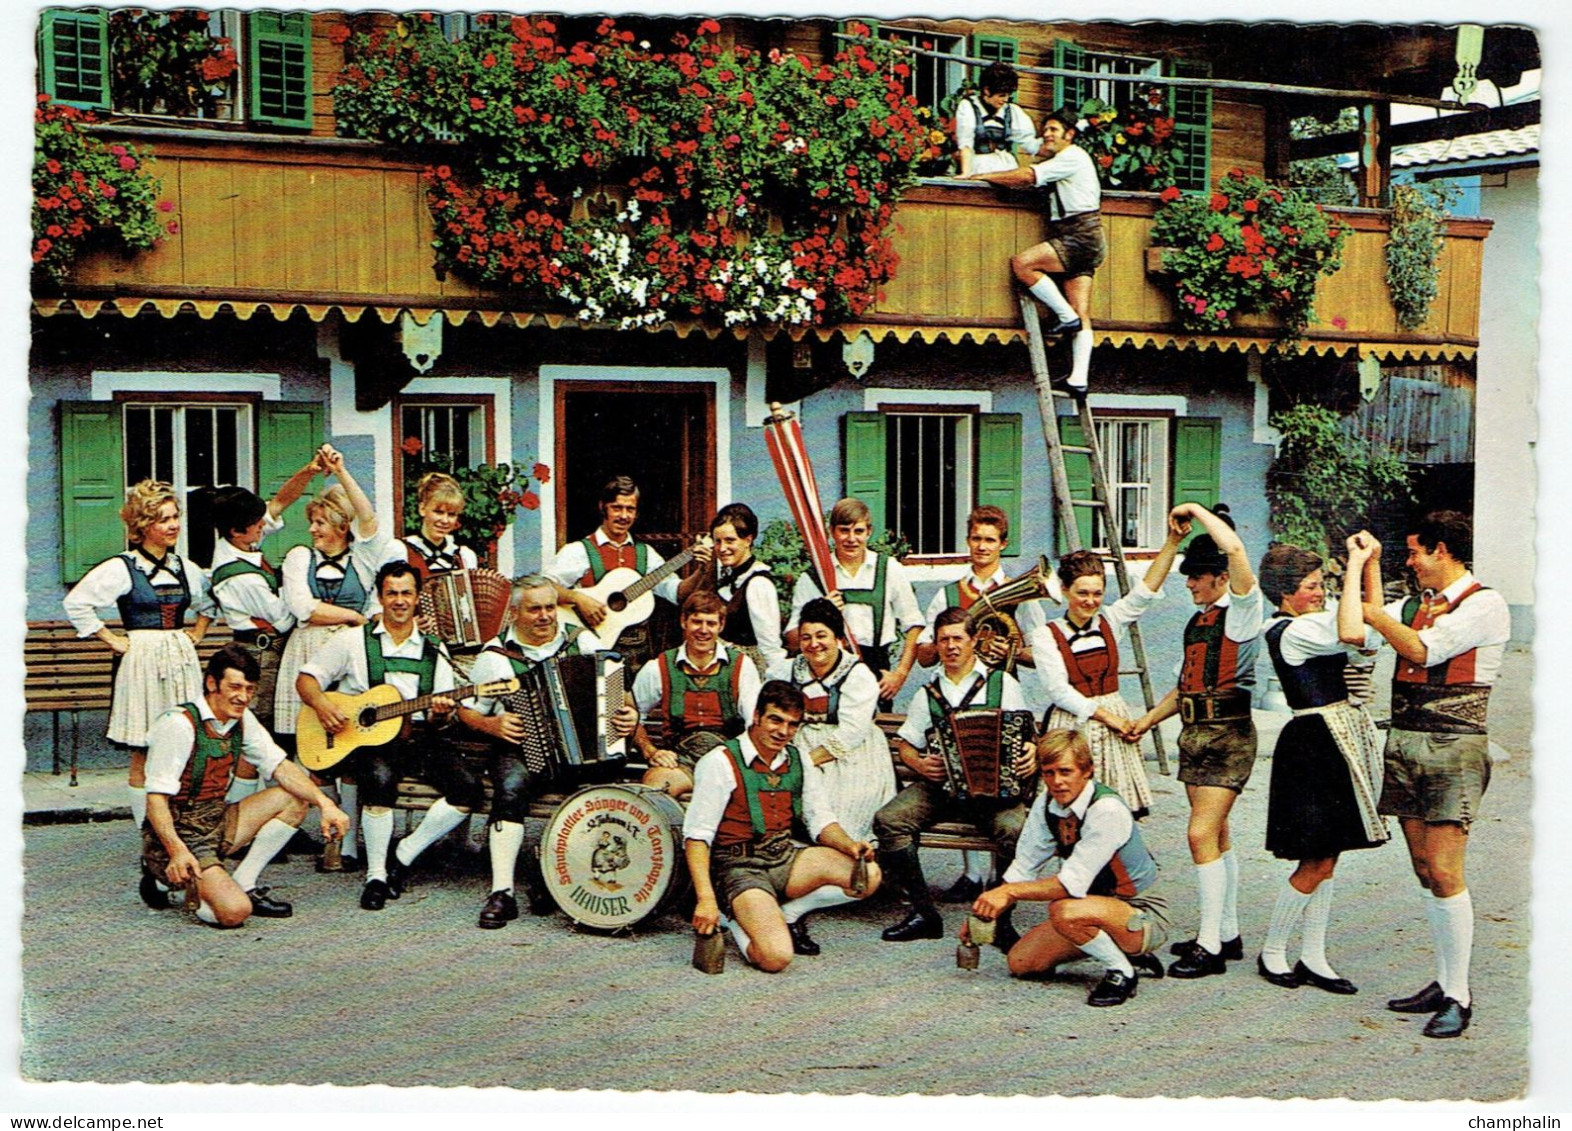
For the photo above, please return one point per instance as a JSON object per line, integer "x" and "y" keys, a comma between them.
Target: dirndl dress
{"x": 159, "y": 670}
{"x": 304, "y": 643}
{"x": 1326, "y": 781}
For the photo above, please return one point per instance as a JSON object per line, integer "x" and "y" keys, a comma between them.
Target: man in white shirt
{"x": 748, "y": 795}
{"x": 1075, "y": 246}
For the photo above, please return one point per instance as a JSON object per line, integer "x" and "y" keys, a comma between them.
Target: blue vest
{"x": 1131, "y": 870}
{"x": 348, "y": 592}
{"x": 155, "y": 606}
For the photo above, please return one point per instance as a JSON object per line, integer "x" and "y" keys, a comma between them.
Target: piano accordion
{"x": 466, "y": 607}
{"x": 978, "y": 746}
{"x": 567, "y": 703}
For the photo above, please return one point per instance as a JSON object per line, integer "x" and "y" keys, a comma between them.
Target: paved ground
{"x": 417, "y": 995}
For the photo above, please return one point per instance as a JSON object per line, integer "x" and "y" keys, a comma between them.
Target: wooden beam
{"x": 1429, "y": 129}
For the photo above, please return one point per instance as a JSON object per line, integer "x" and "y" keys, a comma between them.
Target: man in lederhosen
{"x": 1449, "y": 641}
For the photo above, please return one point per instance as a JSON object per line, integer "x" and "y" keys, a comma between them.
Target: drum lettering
{"x": 609, "y": 905}
{"x": 639, "y": 815}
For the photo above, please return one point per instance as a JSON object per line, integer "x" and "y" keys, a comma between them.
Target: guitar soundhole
{"x": 617, "y": 602}
{"x": 367, "y": 718}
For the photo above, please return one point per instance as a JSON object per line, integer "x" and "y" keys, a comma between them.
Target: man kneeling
{"x": 748, "y": 795}
{"x": 1103, "y": 901}
{"x": 192, "y": 754}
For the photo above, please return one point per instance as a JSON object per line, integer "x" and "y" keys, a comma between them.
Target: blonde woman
{"x": 433, "y": 549}
{"x": 156, "y": 665}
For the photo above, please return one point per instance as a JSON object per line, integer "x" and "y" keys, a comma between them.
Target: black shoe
{"x": 1197, "y": 963}
{"x": 1331, "y": 985}
{"x": 500, "y": 910}
{"x": 800, "y": 942}
{"x": 1450, "y": 1021}
{"x": 1067, "y": 326}
{"x": 1116, "y": 988}
{"x": 540, "y": 901}
{"x": 922, "y": 923}
{"x": 354, "y": 864}
{"x": 963, "y": 890}
{"x": 374, "y": 895}
{"x": 398, "y": 875}
{"x": 1427, "y": 1000}
{"x": 1232, "y": 949}
{"x": 267, "y": 907}
{"x": 1147, "y": 965}
{"x": 1288, "y": 980}
{"x": 154, "y": 896}
{"x": 1005, "y": 936}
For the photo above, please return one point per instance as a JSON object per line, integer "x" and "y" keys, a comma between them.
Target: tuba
{"x": 991, "y": 621}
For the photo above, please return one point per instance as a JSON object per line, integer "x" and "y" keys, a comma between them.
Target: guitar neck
{"x": 644, "y": 584}
{"x": 420, "y": 703}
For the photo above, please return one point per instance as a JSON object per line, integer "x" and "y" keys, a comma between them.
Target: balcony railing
{"x": 321, "y": 222}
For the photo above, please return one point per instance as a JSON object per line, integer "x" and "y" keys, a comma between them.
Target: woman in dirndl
{"x": 842, "y": 741}
{"x": 1327, "y": 766}
{"x": 1077, "y": 658}
{"x": 328, "y": 585}
{"x": 155, "y": 665}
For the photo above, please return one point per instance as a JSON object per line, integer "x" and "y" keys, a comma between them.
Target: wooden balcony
{"x": 322, "y": 223}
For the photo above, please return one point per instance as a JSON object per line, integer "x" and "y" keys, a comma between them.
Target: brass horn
{"x": 991, "y": 621}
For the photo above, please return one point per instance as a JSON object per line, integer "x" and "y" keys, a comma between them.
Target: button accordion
{"x": 978, "y": 746}
{"x": 567, "y": 704}
{"x": 466, "y": 607}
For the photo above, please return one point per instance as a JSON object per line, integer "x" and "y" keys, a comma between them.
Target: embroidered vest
{"x": 155, "y": 606}
{"x": 1131, "y": 870}
{"x": 1212, "y": 662}
{"x": 702, "y": 702}
{"x": 1419, "y": 615}
{"x": 873, "y": 598}
{"x": 1314, "y": 683}
{"x": 437, "y": 561}
{"x": 823, "y": 709}
{"x": 347, "y": 592}
{"x": 959, "y": 594}
{"x": 992, "y": 134}
{"x": 211, "y": 768}
{"x": 604, "y": 557}
{"x": 1095, "y": 671}
{"x": 764, "y": 804}
{"x": 378, "y": 666}
{"x": 993, "y": 695}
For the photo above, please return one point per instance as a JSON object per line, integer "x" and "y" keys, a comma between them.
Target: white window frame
{"x": 950, "y": 74}
{"x": 1158, "y": 484}
{"x": 963, "y": 489}
{"x": 223, "y": 23}
{"x": 1105, "y": 62}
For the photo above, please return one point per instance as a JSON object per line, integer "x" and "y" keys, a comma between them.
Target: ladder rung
{"x": 1075, "y": 449}
{"x": 1131, "y": 671}
{"x": 1087, "y": 503}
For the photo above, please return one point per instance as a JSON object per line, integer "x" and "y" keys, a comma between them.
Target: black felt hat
{"x": 1202, "y": 554}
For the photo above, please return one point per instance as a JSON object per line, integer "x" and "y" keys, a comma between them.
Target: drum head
{"x": 613, "y": 855}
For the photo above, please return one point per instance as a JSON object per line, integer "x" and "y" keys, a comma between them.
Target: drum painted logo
{"x": 611, "y": 852}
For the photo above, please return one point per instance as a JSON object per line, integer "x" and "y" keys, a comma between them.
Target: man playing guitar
{"x": 390, "y": 650}
{"x": 580, "y": 565}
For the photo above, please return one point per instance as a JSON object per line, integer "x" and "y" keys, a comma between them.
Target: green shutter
{"x": 74, "y": 56}
{"x": 1192, "y": 110}
{"x": 280, "y": 63}
{"x": 92, "y": 486}
{"x": 999, "y": 468}
{"x": 995, "y": 49}
{"x": 288, "y": 432}
{"x": 1198, "y": 460}
{"x": 864, "y": 464}
{"x": 1078, "y": 470}
{"x": 1068, "y": 91}
{"x": 841, "y": 27}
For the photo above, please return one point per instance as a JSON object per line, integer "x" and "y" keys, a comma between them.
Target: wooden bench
{"x": 954, "y": 835}
{"x": 67, "y": 674}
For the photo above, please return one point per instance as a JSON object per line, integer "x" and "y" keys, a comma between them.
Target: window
{"x": 1191, "y": 105}
{"x": 439, "y": 433}
{"x": 920, "y": 469}
{"x": 1150, "y": 462}
{"x": 932, "y": 81}
{"x": 184, "y": 64}
{"x": 190, "y": 446}
{"x": 107, "y": 445}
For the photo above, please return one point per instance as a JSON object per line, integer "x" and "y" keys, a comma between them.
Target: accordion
{"x": 978, "y": 747}
{"x": 567, "y": 703}
{"x": 466, "y": 607}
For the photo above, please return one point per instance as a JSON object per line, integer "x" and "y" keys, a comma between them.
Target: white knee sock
{"x": 1436, "y": 917}
{"x": 816, "y": 900}
{"x": 349, "y": 801}
{"x": 1106, "y": 951}
{"x": 1212, "y": 882}
{"x": 740, "y": 935}
{"x": 1313, "y": 952}
{"x": 378, "y": 831}
{"x": 1047, "y": 290}
{"x": 1290, "y": 905}
{"x": 1457, "y": 917}
{"x": 138, "y": 795}
{"x": 439, "y": 820}
{"x": 264, "y": 846}
{"x": 505, "y": 840}
{"x": 1228, "y": 925}
{"x": 1081, "y": 362}
{"x": 975, "y": 864}
{"x": 205, "y": 913}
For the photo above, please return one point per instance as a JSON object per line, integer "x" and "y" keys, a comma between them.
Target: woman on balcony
{"x": 989, "y": 126}
{"x": 155, "y": 659}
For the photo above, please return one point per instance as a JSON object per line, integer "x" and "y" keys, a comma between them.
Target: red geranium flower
{"x": 529, "y": 501}
{"x": 541, "y": 472}
{"x": 411, "y": 445}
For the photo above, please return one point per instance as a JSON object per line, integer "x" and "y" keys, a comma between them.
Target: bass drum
{"x": 612, "y": 855}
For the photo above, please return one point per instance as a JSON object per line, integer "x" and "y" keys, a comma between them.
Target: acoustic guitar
{"x": 375, "y": 717}
{"x": 628, "y": 597}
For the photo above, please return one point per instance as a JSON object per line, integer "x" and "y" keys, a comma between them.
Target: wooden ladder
{"x": 1066, "y": 505}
